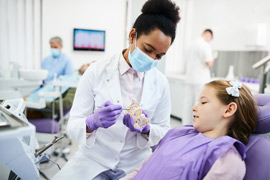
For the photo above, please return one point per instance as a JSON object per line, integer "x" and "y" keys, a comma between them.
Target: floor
{"x": 50, "y": 169}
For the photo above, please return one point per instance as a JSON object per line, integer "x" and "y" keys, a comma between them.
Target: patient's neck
{"x": 218, "y": 131}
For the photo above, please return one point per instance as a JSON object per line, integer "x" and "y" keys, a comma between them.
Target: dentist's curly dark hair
{"x": 160, "y": 14}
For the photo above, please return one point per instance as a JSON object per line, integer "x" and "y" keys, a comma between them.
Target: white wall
{"x": 174, "y": 60}
{"x": 59, "y": 17}
{"x": 20, "y": 22}
{"x": 19, "y": 34}
{"x": 135, "y": 10}
{"x": 228, "y": 19}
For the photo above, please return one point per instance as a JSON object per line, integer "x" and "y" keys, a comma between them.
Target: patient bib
{"x": 185, "y": 153}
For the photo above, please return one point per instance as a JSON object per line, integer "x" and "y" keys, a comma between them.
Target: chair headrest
{"x": 263, "y": 110}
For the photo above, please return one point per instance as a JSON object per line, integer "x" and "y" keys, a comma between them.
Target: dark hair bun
{"x": 162, "y": 7}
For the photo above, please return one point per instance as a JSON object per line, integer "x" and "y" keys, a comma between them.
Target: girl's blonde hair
{"x": 245, "y": 119}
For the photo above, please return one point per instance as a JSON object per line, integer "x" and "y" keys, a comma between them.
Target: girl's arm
{"x": 229, "y": 166}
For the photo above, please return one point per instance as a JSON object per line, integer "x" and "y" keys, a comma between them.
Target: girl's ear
{"x": 230, "y": 110}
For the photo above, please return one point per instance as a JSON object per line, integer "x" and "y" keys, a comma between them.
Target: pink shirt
{"x": 131, "y": 83}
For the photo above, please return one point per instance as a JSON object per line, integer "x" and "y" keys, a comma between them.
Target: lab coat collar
{"x": 123, "y": 65}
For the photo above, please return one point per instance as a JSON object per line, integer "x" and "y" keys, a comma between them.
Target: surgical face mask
{"x": 140, "y": 61}
{"x": 55, "y": 52}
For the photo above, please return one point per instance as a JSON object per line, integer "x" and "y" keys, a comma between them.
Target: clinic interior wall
{"x": 241, "y": 61}
{"x": 61, "y": 16}
{"x": 228, "y": 19}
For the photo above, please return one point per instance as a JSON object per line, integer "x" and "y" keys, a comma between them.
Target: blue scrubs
{"x": 61, "y": 65}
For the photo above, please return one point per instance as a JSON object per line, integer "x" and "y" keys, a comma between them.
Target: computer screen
{"x": 88, "y": 40}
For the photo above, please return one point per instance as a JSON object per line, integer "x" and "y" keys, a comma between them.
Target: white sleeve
{"x": 208, "y": 54}
{"x": 82, "y": 107}
{"x": 229, "y": 166}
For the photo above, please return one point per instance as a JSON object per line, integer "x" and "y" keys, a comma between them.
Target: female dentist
{"x": 110, "y": 146}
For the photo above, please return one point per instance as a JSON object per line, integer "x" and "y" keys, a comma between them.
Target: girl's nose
{"x": 194, "y": 108}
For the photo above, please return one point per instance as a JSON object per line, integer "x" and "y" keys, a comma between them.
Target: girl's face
{"x": 209, "y": 111}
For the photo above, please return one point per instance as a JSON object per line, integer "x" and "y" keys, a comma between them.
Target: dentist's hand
{"x": 104, "y": 117}
{"x": 129, "y": 122}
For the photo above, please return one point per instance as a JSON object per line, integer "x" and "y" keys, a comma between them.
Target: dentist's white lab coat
{"x": 100, "y": 150}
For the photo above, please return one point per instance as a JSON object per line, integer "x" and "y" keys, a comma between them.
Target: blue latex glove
{"x": 104, "y": 117}
{"x": 129, "y": 122}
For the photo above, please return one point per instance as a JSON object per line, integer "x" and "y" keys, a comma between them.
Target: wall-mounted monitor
{"x": 88, "y": 40}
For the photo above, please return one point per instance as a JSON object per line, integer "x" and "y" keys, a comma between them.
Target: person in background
{"x": 57, "y": 63}
{"x": 68, "y": 97}
{"x": 84, "y": 67}
{"x": 199, "y": 60}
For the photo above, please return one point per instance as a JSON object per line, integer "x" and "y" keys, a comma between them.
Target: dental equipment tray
{"x": 9, "y": 120}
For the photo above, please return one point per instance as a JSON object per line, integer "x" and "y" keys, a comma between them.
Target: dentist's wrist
{"x": 88, "y": 130}
{"x": 147, "y": 133}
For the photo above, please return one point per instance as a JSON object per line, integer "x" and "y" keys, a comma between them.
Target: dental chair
{"x": 258, "y": 148}
{"x": 48, "y": 128}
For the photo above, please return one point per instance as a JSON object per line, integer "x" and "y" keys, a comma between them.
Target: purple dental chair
{"x": 258, "y": 148}
{"x": 48, "y": 125}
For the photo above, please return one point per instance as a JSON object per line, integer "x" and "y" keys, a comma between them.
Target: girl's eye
{"x": 204, "y": 102}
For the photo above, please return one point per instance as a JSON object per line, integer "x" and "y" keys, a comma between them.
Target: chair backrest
{"x": 258, "y": 147}
{"x": 258, "y": 158}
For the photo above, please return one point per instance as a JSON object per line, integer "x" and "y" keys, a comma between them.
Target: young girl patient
{"x": 213, "y": 148}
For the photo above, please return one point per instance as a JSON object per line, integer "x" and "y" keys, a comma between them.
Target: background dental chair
{"x": 48, "y": 128}
{"x": 258, "y": 148}
{"x": 57, "y": 93}
{"x": 49, "y": 125}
